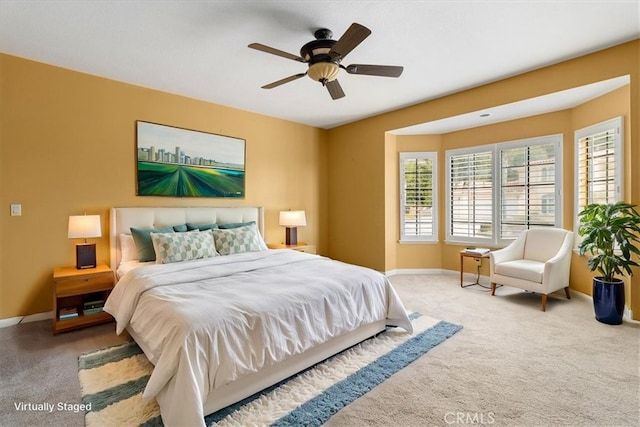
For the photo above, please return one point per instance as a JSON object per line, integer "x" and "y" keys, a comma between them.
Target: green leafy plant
{"x": 610, "y": 233}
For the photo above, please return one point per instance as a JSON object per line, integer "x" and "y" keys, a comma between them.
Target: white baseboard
{"x": 467, "y": 277}
{"x": 4, "y": 323}
{"x": 400, "y": 271}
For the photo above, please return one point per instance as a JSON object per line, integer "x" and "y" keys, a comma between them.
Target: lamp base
{"x": 85, "y": 255}
{"x": 291, "y": 236}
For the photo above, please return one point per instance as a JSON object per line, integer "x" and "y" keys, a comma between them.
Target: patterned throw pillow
{"x": 177, "y": 247}
{"x": 238, "y": 240}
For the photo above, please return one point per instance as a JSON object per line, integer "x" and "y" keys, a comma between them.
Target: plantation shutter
{"x": 471, "y": 195}
{"x": 528, "y": 188}
{"x": 596, "y": 168}
{"x": 417, "y": 198}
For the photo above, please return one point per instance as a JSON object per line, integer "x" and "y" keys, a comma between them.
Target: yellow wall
{"x": 411, "y": 256}
{"x": 356, "y": 195}
{"x": 68, "y": 145}
{"x": 613, "y": 104}
{"x": 361, "y": 150}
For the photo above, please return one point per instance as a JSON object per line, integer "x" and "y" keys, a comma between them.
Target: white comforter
{"x": 209, "y": 322}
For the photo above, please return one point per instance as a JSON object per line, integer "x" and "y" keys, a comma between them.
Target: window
{"x": 598, "y": 164}
{"x": 470, "y": 195}
{"x": 527, "y": 190}
{"x": 418, "y": 211}
{"x": 496, "y": 191}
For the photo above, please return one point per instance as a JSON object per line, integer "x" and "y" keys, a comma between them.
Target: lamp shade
{"x": 293, "y": 219}
{"x": 84, "y": 226}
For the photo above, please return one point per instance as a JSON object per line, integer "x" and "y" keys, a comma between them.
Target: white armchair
{"x": 537, "y": 261}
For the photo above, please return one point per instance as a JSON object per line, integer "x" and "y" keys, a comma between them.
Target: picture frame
{"x": 178, "y": 162}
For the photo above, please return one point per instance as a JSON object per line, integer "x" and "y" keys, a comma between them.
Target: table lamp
{"x": 84, "y": 227}
{"x": 291, "y": 220}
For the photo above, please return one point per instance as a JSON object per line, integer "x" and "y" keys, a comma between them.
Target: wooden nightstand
{"x": 73, "y": 288}
{"x": 301, "y": 247}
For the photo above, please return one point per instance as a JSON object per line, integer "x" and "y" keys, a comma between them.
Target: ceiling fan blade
{"x": 375, "y": 70}
{"x": 354, "y": 35}
{"x": 283, "y": 81}
{"x": 274, "y": 51}
{"x": 335, "y": 90}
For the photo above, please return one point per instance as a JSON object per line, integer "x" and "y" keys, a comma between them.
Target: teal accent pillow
{"x": 201, "y": 227}
{"x": 178, "y": 247}
{"x": 180, "y": 228}
{"x": 235, "y": 225}
{"x": 144, "y": 245}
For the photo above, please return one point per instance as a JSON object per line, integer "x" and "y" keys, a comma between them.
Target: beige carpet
{"x": 511, "y": 365}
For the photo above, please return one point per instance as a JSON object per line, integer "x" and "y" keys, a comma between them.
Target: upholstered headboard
{"x": 122, "y": 219}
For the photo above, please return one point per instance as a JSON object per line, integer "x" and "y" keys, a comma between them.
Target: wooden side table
{"x": 72, "y": 288}
{"x": 301, "y": 247}
{"x": 464, "y": 254}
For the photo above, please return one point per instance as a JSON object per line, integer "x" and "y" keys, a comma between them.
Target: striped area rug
{"x": 113, "y": 379}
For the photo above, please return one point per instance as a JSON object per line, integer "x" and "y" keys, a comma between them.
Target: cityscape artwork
{"x": 179, "y": 162}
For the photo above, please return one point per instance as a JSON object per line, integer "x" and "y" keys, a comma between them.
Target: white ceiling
{"x": 501, "y": 113}
{"x": 199, "y": 48}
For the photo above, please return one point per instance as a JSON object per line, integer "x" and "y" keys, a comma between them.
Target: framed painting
{"x": 178, "y": 162}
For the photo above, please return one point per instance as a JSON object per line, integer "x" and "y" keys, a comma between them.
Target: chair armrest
{"x": 556, "y": 270}
{"x": 515, "y": 250}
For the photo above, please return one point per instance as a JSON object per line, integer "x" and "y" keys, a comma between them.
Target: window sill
{"x": 418, "y": 242}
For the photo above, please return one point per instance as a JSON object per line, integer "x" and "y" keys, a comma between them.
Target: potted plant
{"x": 610, "y": 232}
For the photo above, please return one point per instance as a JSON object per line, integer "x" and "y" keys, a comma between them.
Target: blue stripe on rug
{"x": 115, "y": 354}
{"x": 153, "y": 422}
{"x": 107, "y": 397}
{"x": 318, "y": 410}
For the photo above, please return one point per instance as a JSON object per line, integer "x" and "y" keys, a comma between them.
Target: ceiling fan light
{"x": 323, "y": 71}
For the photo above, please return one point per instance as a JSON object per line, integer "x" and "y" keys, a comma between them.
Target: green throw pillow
{"x": 201, "y": 227}
{"x": 144, "y": 245}
{"x": 235, "y": 224}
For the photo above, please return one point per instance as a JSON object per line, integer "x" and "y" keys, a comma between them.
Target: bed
{"x": 221, "y": 328}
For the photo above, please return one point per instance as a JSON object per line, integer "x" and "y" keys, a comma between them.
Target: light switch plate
{"x": 16, "y": 210}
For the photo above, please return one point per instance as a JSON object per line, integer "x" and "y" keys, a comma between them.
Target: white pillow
{"x": 186, "y": 246}
{"x": 237, "y": 240}
{"x": 128, "y": 250}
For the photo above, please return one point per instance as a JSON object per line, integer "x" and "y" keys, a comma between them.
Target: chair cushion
{"x": 543, "y": 243}
{"x": 521, "y": 269}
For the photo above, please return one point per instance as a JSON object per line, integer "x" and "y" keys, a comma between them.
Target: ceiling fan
{"x": 324, "y": 56}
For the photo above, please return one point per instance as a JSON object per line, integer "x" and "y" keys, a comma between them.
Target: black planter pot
{"x": 608, "y": 301}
